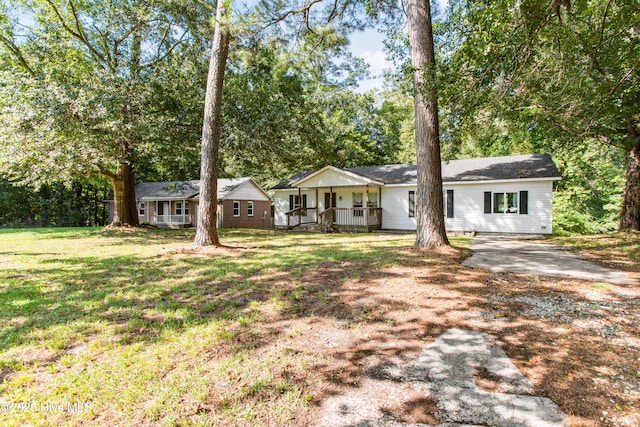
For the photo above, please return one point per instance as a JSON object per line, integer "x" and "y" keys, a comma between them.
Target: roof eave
{"x": 297, "y": 184}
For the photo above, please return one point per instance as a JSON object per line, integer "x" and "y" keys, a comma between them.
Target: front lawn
{"x": 616, "y": 250}
{"x": 133, "y": 327}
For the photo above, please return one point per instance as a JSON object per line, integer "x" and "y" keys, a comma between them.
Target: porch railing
{"x": 299, "y": 216}
{"x": 174, "y": 219}
{"x": 351, "y": 219}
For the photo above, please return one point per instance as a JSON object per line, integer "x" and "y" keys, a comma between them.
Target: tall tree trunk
{"x": 430, "y": 231}
{"x": 124, "y": 196}
{"x": 630, "y": 215}
{"x": 207, "y": 232}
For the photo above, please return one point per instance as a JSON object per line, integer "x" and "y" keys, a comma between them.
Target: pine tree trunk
{"x": 124, "y": 196}
{"x": 207, "y": 233}
{"x": 630, "y": 215}
{"x": 430, "y": 232}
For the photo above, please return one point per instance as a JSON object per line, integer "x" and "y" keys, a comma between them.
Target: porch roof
{"x": 529, "y": 166}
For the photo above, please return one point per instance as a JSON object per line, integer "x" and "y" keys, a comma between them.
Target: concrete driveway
{"x": 521, "y": 255}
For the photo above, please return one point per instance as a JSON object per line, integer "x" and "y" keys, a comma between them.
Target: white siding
{"x": 395, "y": 208}
{"x": 469, "y": 209}
{"x": 281, "y": 205}
{"x": 331, "y": 178}
{"x": 247, "y": 191}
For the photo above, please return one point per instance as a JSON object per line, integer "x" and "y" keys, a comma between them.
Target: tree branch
{"x": 18, "y": 54}
{"x": 110, "y": 176}
{"x": 304, "y": 10}
{"x": 168, "y": 52}
{"x": 79, "y": 34}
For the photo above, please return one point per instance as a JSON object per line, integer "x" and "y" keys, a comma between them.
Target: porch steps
{"x": 311, "y": 227}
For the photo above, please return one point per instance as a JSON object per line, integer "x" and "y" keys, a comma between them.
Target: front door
{"x": 330, "y": 202}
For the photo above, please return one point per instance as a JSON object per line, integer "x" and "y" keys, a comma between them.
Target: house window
{"x": 249, "y": 208}
{"x": 236, "y": 208}
{"x": 357, "y": 204}
{"x": 186, "y": 208}
{"x": 373, "y": 200}
{"x": 507, "y": 202}
{"x": 294, "y": 202}
{"x": 178, "y": 208}
{"x": 412, "y": 203}
{"x": 141, "y": 207}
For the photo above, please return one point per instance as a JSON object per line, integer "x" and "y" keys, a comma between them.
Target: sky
{"x": 369, "y": 46}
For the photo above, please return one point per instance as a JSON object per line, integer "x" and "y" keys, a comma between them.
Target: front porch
{"x": 331, "y": 198}
{"x": 359, "y": 220}
{"x": 167, "y": 213}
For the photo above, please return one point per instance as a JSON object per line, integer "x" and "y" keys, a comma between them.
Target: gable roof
{"x": 528, "y": 166}
{"x": 179, "y": 190}
{"x": 356, "y": 178}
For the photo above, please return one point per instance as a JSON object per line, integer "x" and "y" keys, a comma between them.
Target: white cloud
{"x": 377, "y": 65}
{"x": 377, "y": 62}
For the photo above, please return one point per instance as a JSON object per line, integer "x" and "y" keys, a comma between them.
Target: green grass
{"x": 143, "y": 330}
{"x": 618, "y": 250}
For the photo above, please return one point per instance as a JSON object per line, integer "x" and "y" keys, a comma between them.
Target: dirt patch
{"x": 574, "y": 340}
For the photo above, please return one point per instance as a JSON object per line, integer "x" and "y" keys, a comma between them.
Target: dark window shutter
{"x": 304, "y": 201}
{"x": 290, "y": 202}
{"x": 412, "y": 204}
{"x": 449, "y": 203}
{"x": 487, "y": 202}
{"x": 524, "y": 202}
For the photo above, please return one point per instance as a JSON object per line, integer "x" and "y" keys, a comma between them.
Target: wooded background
{"x": 87, "y": 87}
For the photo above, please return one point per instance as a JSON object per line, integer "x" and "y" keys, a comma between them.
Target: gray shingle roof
{"x": 528, "y": 166}
{"x": 172, "y": 190}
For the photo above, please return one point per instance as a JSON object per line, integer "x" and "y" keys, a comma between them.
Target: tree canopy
{"x": 85, "y": 88}
{"x": 566, "y": 71}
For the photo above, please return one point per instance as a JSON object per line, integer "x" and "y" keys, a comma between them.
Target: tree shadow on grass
{"x": 350, "y": 309}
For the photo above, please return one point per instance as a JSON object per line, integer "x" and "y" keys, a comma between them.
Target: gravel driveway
{"x": 521, "y": 255}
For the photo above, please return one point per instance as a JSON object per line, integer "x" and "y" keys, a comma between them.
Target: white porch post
{"x": 299, "y": 205}
{"x": 366, "y": 207}
{"x": 155, "y": 214}
{"x": 183, "y": 209}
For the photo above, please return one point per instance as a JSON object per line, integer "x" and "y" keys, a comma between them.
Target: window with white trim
{"x": 186, "y": 208}
{"x": 357, "y": 204}
{"x": 294, "y": 203}
{"x": 141, "y": 208}
{"x": 178, "y": 208}
{"x": 373, "y": 200}
{"x": 511, "y": 202}
{"x": 249, "y": 208}
{"x": 236, "y": 208}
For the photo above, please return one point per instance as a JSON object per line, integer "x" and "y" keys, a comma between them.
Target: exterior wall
{"x": 281, "y": 206}
{"x": 149, "y": 213}
{"x": 469, "y": 208}
{"x": 395, "y": 208}
{"x": 331, "y": 178}
{"x": 248, "y": 191}
{"x": 261, "y": 214}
